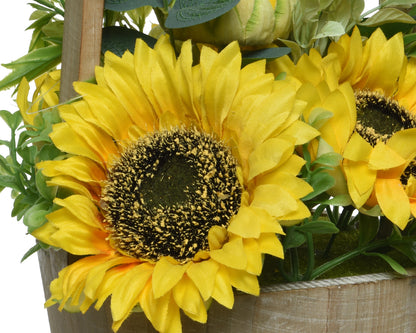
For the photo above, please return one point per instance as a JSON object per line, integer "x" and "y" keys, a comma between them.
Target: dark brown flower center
{"x": 167, "y": 190}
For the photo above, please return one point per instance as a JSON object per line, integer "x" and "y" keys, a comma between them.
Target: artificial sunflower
{"x": 378, "y": 158}
{"x": 179, "y": 176}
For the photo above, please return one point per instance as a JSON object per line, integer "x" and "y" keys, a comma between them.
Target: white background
{"x": 22, "y": 298}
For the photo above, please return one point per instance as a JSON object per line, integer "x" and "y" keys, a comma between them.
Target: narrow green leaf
{"x": 35, "y": 216}
{"x": 32, "y": 65}
{"x": 407, "y": 247}
{"x": 393, "y": 263}
{"x": 318, "y": 117}
{"x": 268, "y": 54}
{"x": 31, "y": 251}
{"x": 339, "y": 200}
{"x": 125, "y": 5}
{"x": 186, "y": 13}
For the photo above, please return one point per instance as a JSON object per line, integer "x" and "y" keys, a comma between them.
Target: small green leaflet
{"x": 268, "y": 54}
{"x": 125, "y": 5}
{"x": 186, "y": 13}
{"x": 119, "y": 39}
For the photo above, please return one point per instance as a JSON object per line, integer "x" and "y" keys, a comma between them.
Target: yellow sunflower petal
{"x": 254, "y": 256}
{"x": 393, "y": 201}
{"x": 232, "y": 254}
{"x": 357, "y": 149}
{"x": 162, "y": 312}
{"x": 383, "y": 157}
{"x": 203, "y": 275}
{"x": 166, "y": 275}
{"x": 244, "y": 281}
{"x": 269, "y": 243}
{"x": 188, "y": 298}
{"x": 223, "y": 291}
{"x": 274, "y": 200}
{"x": 268, "y": 155}
{"x": 127, "y": 290}
{"x": 404, "y": 143}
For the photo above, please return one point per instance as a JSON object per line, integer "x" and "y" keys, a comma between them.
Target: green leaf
{"x": 125, "y": 5}
{"x": 9, "y": 181}
{"x": 268, "y": 54}
{"x": 321, "y": 182}
{"x": 318, "y": 227}
{"x": 330, "y": 29}
{"x": 22, "y": 203}
{"x": 339, "y": 200}
{"x": 120, "y": 39}
{"x": 388, "y": 15}
{"x": 397, "y": 2}
{"x": 47, "y": 192}
{"x": 407, "y": 247}
{"x": 186, "y": 13}
{"x": 368, "y": 228}
{"x": 330, "y": 159}
{"x": 393, "y": 263}
{"x": 31, "y": 251}
{"x": 35, "y": 216}
{"x": 32, "y": 65}
{"x": 13, "y": 120}
{"x": 293, "y": 238}
{"x": 318, "y": 117}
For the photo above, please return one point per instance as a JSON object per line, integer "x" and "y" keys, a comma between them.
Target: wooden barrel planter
{"x": 367, "y": 303}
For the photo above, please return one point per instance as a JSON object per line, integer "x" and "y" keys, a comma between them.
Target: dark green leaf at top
{"x": 124, "y": 5}
{"x": 268, "y": 54}
{"x": 186, "y": 13}
{"x": 120, "y": 39}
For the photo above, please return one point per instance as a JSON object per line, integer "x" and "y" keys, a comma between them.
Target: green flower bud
{"x": 251, "y": 22}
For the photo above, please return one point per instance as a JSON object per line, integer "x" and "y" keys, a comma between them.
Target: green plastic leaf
{"x": 22, "y": 203}
{"x": 388, "y": 15}
{"x": 186, "y": 13}
{"x": 120, "y": 39}
{"x": 35, "y": 216}
{"x": 318, "y": 117}
{"x": 293, "y": 238}
{"x": 47, "y": 192}
{"x": 397, "y": 2}
{"x": 321, "y": 182}
{"x": 32, "y": 65}
{"x": 330, "y": 29}
{"x": 329, "y": 159}
{"x": 339, "y": 200}
{"x": 318, "y": 227}
{"x": 393, "y": 263}
{"x": 13, "y": 120}
{"x": 268, "y": 54}
{"x": 368, "y": 228}
{"x": 125, "y": 5}
{"x": 408, "y": 248}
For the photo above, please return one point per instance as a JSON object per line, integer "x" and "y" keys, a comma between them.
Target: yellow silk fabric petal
{"x": 127, "y": 290}
{"x": 166, "y": 275}
{"x": 301, "y": 132}
{"x": 216, "y": 237}
{"x": 383, "y": 158}
{"x": 268, "y": 155}
{"x": 83, "y": 208}
{"x": 96, "y": 275}
{"x": 203, "y": 275}
{"x": 78, "y": 167}
{"x": 244, "y": 281}
{"x": 76, "y": 237}
{"x": 163, "y": 312}
{"x": 246, "y": 223}
{"x": 223, "y": 291}
{"x": 360, "y": 181}
{"x": 254, "y": 256}
{"x": 269, "y": 243}
{"x": 357, "y": 149}
{"x": 274, "y": 200}
{"x": 27, "y": 113}
{"x": 188, "y": 298}
{"x": 393, "y": 201}
{"x": 404, "y": 143}
{"x": 75, "y": 186}
{"x": 232, "y": 254}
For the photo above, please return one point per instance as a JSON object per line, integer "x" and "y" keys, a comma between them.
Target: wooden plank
{"x": 81, "y": 48}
